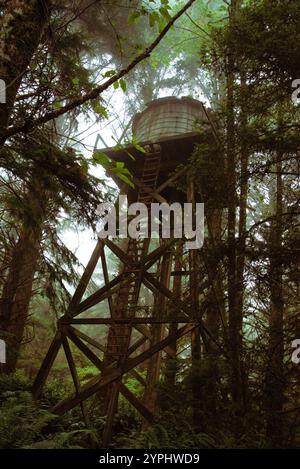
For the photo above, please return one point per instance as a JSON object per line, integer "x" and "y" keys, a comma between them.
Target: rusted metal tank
{"x": 167, "y": 117}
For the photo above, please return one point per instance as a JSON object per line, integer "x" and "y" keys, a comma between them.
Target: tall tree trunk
{"x": 195, "y": 334}
{"x": 17, "y": 288}
{"x": 22, "y": 25}
{"x": 242, "y": 229}
{"x": 235, "y": 336}
{"x": 171, "y": 361}
{"x": 157, "y": 331}
{"x": 214, "y": 313}
{"x": 274, "y": 374}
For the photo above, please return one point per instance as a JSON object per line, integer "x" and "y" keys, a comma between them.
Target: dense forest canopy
{"x": 74, "y": 74}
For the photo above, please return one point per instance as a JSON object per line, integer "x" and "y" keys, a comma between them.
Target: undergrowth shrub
{"x": 26, "y": 423}
{"x": 168, "y": 432}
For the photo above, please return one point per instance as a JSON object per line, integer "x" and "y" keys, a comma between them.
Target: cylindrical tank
{"x": 167, "y": 117}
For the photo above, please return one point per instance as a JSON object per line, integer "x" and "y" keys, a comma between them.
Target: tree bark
{"x": 157, "y": 331}
{"x": 242, "y": 227}
{"x": 17, "y": 287}
{"x": 171, "y": 361}
{"x": 235, "y": 333}
{"x": 22, "y": 25}
{"x": 274, "y": 374}
{"x": 214, "y": 313}
{"x": 195, "y": 334}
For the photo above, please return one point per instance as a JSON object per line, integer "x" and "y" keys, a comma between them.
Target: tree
{"x": 23, "y": 24}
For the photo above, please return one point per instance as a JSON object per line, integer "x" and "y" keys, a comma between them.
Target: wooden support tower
{"x": 137, "y": 333}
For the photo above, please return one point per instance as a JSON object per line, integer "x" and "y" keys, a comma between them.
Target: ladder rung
{"x": 120, "y": 336}
{"x": 151, "y": 167}
{"x": 151, "y": 156}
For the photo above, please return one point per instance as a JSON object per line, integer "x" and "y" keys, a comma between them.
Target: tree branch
{"x": 93, "y": 94}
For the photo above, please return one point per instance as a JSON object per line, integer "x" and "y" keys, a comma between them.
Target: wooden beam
{"x": 101, "y": 367}
{"x": 145, "y": 330}
{"x": 74, "y": 375}
{"x": 171, "y": 179}
{"x": 88, "y": 272}
{"x": 122, "y": 255}
{"x": 137, "y": 345}
{"x": 143, "y": 410}
{"x": 116, "y": 372}
{"x": 113, "y": 402}
{"x": 101, "y": 347}
{"x": 111, "y": 410}
{"x": 99, "y": 295}
{"x": 166, "y": 292}
{"x": 138, "y": 377}
{"x": 46, "y": 365}
{"x": 133, "y": 321}
{"x": 149, "y": 190}
{"x": 87, "y": 339}
{"x": 84, "y": 349}
{"x": 106, "y": 280}
{"x": 150, "y": 279}
{"x": 154, "y": 255}
{"x": 157, "y": 334}
{"x": 180, "y": 273}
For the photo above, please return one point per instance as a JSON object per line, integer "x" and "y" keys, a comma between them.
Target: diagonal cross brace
{"x": 116, "y": 372}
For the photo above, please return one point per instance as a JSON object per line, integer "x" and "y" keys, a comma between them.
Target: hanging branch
{"x": 93, "y": 94}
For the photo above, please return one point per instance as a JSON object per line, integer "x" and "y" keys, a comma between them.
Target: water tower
{"x": 137, "y": 332}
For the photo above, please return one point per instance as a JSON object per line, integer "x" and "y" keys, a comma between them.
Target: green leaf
{"x": 109, "y": 73}
{"x": 133, "y": 17}
{"x": 122, "y": 173}
{"x": 116, "y": 85}
{"x": 100, "y": 158}
{"x": 123, "y": 84}
{"x": 130, "y": 155}
{"x": 85, "y": 167}
{"x": 126, "y": 179}
{"x": 57, "y": 104}
{"x": 153, "y": 18}
{"x": 139, "y": 148}
{"x": 165, "y": 14}
{"x": 101, "y": 110}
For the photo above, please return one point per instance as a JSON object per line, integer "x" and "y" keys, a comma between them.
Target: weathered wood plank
{"x": 133, "y": 321}
{"x": 87, "y": 339}
{"x": 111, "y": 410}
{"x": 84, "y": 349}
{"x": 74, "y": 375}
{"x": 99, "y": 295}
{"x": 171, "y": 179}
{"x": 116, "y": 372}
{"x": 101, "y": 347}
{"x": 142, "y": 408}
{"x": 46, "y": 366}
{"x": 101, "y": 366}
{"x": 106, "y": 280}
{"x": 122, "y": 255}
{"x": 88, "y": 272}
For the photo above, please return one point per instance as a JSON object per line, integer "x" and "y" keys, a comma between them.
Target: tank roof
{"x": 167, "y": 99}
